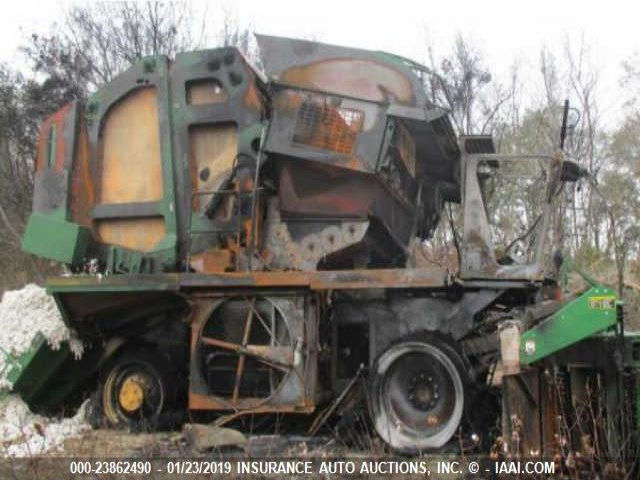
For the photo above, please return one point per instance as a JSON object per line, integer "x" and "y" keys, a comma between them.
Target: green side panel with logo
{"x": 590, "y": 313}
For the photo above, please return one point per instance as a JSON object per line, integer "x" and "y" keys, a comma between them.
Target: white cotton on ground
{"x": 25, "y": 434}
{"x": 25, "y": 312}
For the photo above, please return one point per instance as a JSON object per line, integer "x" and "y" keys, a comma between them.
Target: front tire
{"x": 418, "y": 394}
{"x": 135, "y": 391}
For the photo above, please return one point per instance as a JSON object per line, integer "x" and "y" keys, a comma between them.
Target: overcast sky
{"x": 505, "y": 31}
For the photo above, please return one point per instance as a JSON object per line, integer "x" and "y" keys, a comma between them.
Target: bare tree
{"x": 465, "y": 86}
{"x": 462, "y": 83}
{"x": 20, "y": 105}
{"x": 96, "y": 42}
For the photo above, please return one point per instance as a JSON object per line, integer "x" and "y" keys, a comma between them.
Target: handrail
{"x": 238, "y": 194}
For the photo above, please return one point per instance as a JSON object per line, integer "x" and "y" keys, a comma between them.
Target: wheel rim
{"x": 131, "y": 395}
{"x": 133, "y": 392}
{"x": 418, "y": 396}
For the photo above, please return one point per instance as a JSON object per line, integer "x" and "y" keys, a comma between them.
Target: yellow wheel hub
{"x": 131, "y": 395}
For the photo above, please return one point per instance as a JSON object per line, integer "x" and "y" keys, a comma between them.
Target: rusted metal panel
{"x": 318, "y": 191}
{"x": 352, "y": 136}
{"x": 392, "y": 278}
{"x": 213, "y": 151}
{"x": 205, "y": 91}
{"x": 213, "y": 261}
{"x": 83, "y": 185}
{"x": 53, "y": 148}
{"x": 129, "y": 164}
{"x": 372, "y": 76}
{"x": 318, "y": 280}
{"x": 218, "y": 105}
{"x": 294, "y": 246}
{"x": 245, "y": 406}
{"x": 324, "y": 280}
{"x": 54, "y": 161}
{"x": 141, "y": 234}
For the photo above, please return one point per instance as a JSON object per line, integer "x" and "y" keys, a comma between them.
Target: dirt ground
{"x": 115, "y": 445}
{"x": 119, "y": 444}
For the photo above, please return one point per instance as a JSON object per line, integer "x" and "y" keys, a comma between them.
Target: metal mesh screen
{"x": 327, "y": 127}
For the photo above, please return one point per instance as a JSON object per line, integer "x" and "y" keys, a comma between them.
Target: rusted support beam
{"x": 277, "y": 356}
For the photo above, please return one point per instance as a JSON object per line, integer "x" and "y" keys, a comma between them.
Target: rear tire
{"x": 418, "y": 393}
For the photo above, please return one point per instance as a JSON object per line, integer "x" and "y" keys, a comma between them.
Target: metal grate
{"x": 330, "y": 128}
{"x": 479, "y": 144}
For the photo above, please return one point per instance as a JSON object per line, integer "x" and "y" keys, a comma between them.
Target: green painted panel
{"x": 590, "y": 313}
{"x": 113, "y": 283}
{"x": 18, "y": 364}
{"x": 54, "y": 238}
{"x": 30, "y": 372}
{"x": 45, "y": 378}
